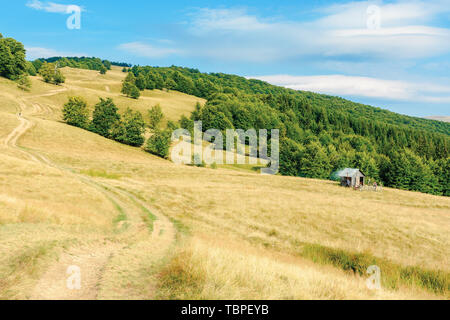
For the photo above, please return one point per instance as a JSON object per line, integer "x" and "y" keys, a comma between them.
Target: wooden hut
{"x": 352, "y": 178}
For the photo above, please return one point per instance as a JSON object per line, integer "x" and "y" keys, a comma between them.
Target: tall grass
{"x": 213, "y": 269}
{"x": 26, "y": 264}
{"x": 392, "y": 275}
{"x": 101, "y": 174}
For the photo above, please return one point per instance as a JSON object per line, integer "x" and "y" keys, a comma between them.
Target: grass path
{"x": 100, "y": 262}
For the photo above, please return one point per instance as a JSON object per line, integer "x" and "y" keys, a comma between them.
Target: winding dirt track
{"x": 94, "y": 260}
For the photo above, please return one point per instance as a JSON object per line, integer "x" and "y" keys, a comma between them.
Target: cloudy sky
{"x": 392, "y": 54}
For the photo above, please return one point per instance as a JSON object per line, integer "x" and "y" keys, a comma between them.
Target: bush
{"x": 159, "y": 143}
{"x": 51, "y": 74}
{"x": 132, "y": 128}
{"x": 24, "y": 83}
{"x": 12, "y": 58}
{"x": 134, "y": 92}
{"x": 104, "y": 116}
{"x": 155, "y": 115}
{"x": 31, "y": 70}
{"x": 129, "y": 87}
{"x": 76, "y": 113}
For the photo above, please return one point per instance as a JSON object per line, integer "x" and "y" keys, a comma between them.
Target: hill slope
{"x": 141, "y": 227}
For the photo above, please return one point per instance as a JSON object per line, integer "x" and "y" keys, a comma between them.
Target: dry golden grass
{"x": 260, "y": 223}
{"x": 92, "y": 85}
{"x": 223, "y": 269}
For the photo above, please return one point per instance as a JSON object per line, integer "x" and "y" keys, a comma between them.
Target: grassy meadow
{"x": 163, "y": 231}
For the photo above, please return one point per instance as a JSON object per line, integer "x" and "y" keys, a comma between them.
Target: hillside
{"x": 140, "y": 227}
{"x": 319, "y": 134}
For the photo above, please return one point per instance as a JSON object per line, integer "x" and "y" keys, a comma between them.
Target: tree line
{"x": 75, "y": 62}
{"x": 128, "y": 128}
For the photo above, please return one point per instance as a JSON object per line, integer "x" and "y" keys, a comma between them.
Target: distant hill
{"x": 439, "y": 118}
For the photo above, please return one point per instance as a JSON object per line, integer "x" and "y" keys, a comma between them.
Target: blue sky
{"x": 391, "y": 54}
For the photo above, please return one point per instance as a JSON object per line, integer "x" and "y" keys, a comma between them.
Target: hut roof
{"x": 349, "y": 172}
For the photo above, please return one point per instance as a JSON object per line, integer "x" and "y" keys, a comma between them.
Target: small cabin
{"x": 352, "y": 178}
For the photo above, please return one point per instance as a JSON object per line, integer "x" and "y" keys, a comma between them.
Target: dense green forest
{"x": 320, "y": 134}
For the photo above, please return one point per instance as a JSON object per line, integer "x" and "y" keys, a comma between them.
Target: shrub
{"x": 134, "y": 128}
{"x": 103, "y": 70}
{"x": 12, "y": 58}
{"x": 51, "y": 74}
{"x": 76, "y": 113}
{"x": 129, "y": 87}
{"x": 104, "y": 116}
{"x": 24, "y": 83}
{"x": 159, "y": 143}
{"x": 156, "y": 116}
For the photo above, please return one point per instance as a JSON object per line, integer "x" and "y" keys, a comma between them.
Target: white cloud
{"x": 364, "y": 87}
{"x": 34, "y": 53}
{"x": 146, "y": 50}
{"x": 50, "y": 6}
{"x": 225, "y": 20}
{"x": 233, "y": 34}
{"x": 340, "y": 34}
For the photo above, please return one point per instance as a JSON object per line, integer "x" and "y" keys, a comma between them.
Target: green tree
{"x": 290, "y": 157}
{"x": 46, "y": 71}
{"x": 129, "y": 86}
{"x": 58, "y": 77}
{"x": 118, "y": 131}
{"x": 130, "y": 129}
{"x": 155, "y": 115}
{"x": 170, "y": 84}
{"x": 158, "y": 81}
{"x": 314, "y": 162}
{"x": 197, "y": 113}
{"x": 103, "y": 70}
{"x": 141, "y": 82}
{"x": 107, "y": 64}
{"x": 159, "y": 143}
{"x": 12, "y": 58}
{"x": 51, "y": 74}
{"x": 134, "y": 92}
{"x": 104, "y": 116}
{"x": 131, "y": 78}
{"x": 442, "y": 172}
{"x": 367, "y": 164}
{"x": 31, "y": 70}
{"x": 76, "y": 113}
{"x": 24, "y": 82}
